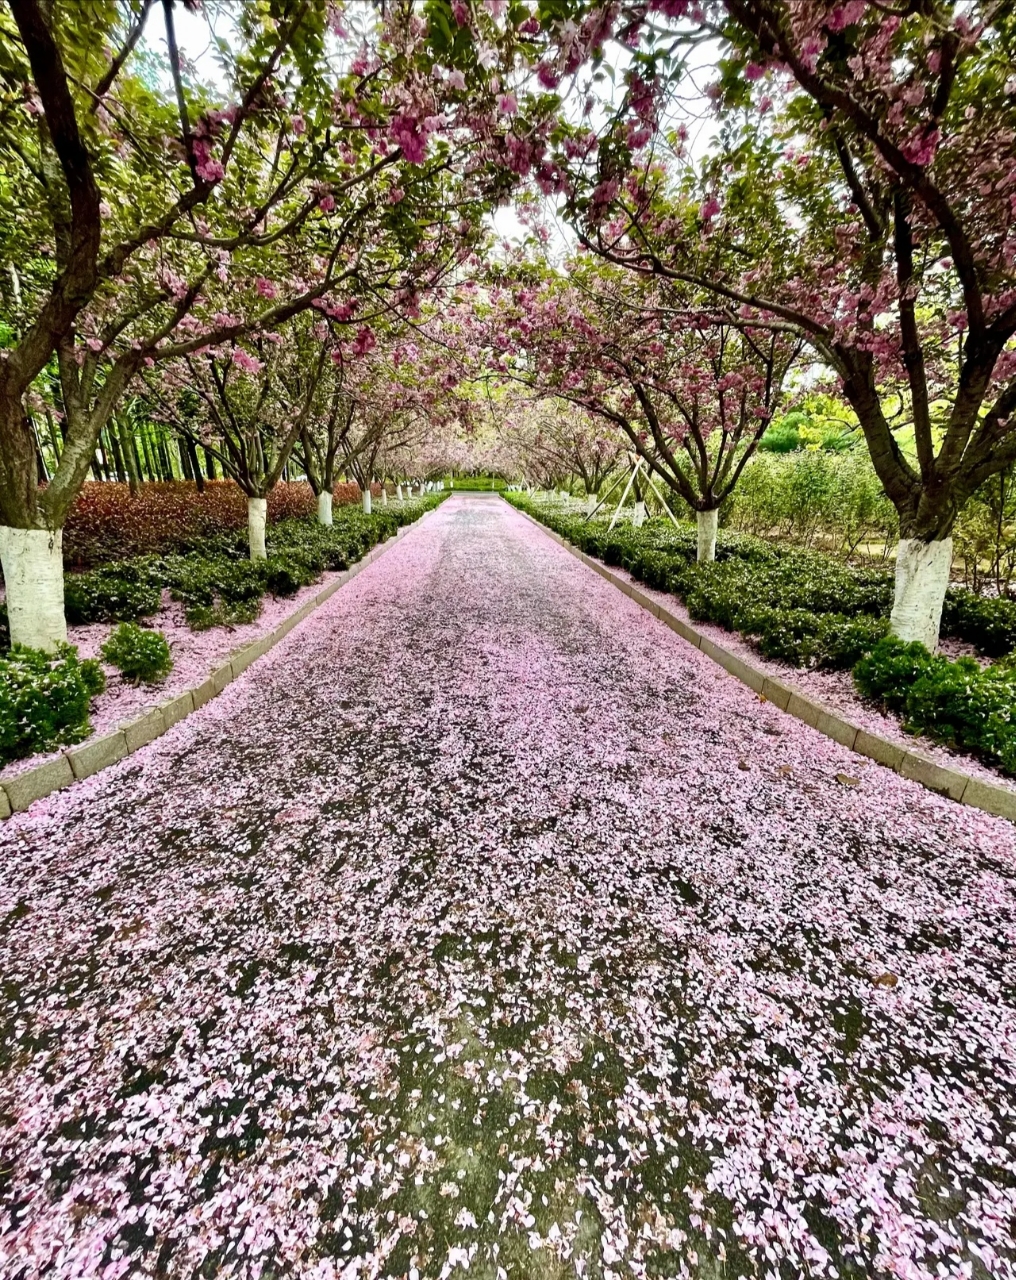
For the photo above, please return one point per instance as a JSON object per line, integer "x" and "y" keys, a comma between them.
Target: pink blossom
{"x": 365, "y": 341}
{"x": 244, "y": 360}
{"x": 298, "y": 125}
{"x": 547, "y": 75}
{"x": 411, "y": 137}
{"x": 920, "y": 148}
{"x": 210, "y": 171}
{"x": 265, "y": 287}
{"x": 507, "y": 104}
{"x": 327, "y": 203}
{"x": 709, "y": 208}
{"x": 456, "y": 80}
{"x": 460, "y": 12}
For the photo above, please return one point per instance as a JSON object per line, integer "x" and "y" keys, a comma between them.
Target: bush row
{"x": 958, "y": 702}
{"x": 108, "y": 522}
{"x": 811, "y": 610}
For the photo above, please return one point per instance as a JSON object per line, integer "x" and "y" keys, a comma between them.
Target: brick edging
{"x": 77, "y": 763}
{"x": 954, "y": 783}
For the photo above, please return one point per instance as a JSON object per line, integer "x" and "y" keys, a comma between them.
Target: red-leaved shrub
{"x": 108, "y": 522}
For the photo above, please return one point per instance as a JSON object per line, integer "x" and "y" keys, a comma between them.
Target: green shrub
{"x": 888, "y": 673}
{"x": 140, "y": 655}
{"x": 45, "y": 699}
{"x": 989, "y": 622}
{"x": 284, "y": 575}
{"x": 783, "y": 436}
{"x": 840, "y": 642}
{"x": 119, "y": 592}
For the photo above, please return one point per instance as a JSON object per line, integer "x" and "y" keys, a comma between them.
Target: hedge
{"x": 45, "y": 700}
{"x": 107, "y": 522}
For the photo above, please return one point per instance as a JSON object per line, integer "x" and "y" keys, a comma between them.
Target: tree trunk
{"x": 195, "y": 462}
{"x": 922, "y": 576}
{"x": 115, "y": 452}
{"x": 398, "y": 492}
{"x": 638, "y": 517}
{"x": 706, "y": 522}
{"x": 366, "y": 501}
{"x": 130, "y": 457}
{"x": 185, "y": 464}
{"x": 257, "y": 518}
{"x": 324, "y": 507}
{"x": 146, "y": 451}
{"x": 32, "y": 562}
{"x": 384, "y": 496}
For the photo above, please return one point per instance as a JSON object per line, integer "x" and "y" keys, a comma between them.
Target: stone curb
{"x": 953, "y": 783}
{"x": 17, "y": 793}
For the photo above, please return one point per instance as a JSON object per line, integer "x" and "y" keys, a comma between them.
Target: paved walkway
{"x": 485, "y": 927}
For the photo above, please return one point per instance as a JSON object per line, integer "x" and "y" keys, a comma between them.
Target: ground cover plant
{"x": 45, "y": 700}
{"x": 108, "y": 522}
{"x": 809, "y": 609}
{"x": 139, "y": 655}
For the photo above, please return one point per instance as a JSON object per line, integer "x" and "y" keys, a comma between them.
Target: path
{"x": 484, "y": 927}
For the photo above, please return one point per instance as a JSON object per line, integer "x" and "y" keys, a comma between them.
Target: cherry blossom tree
{"x": 691, "y": 392}
{"x": 247, "y": 403}
{"x": 864, "y": 170}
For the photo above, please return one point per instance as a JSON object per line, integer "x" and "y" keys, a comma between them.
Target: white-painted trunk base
{"x": 922, "y": 575}
{"x": 257, "y": 519}
{"x": 638, "y": 517}
{"x": 591, "y": 501}
{"x": 366, "y": 501}
{"x": 398, "y": 492}
{"x": 324, "y": 507}
{"x": 384, "y": 496}
{"x": 706, "y": 522}
{"x": 33, "y": 575}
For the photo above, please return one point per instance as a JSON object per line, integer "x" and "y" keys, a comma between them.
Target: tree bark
{"x": 922, "y": 576}
{"x": 257, "y": 518}
{"x": 32, "y": 562}
{"x": 706, "y": 522}
{"x": 324, "y": 507}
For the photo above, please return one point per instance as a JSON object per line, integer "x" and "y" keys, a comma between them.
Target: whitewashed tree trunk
{"x": 591, "y": 501}
{"x": 638, "y": 517}
{"x": 33, "y": 575}
{"x": 366, "y": 501}
{"x": 324, "y": 507}
{"x": 398, "y": 492}
{"x": 706, "y": 522}
{"x": 257, "y": 518}
{"x": 922, "y": 575}
{"x": 384, "y": 496}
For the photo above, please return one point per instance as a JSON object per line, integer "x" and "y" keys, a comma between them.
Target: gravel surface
{"x": 485, "y": 927}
